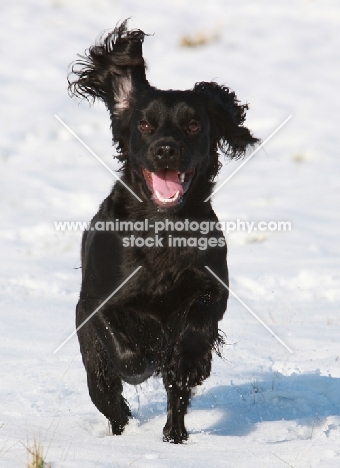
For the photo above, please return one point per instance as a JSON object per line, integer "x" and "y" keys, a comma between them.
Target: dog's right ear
{"x": 111, "y": 69}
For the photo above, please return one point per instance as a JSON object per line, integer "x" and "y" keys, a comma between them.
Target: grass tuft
{"x": 36, "y": 456}
{"x": 199, "y": 39}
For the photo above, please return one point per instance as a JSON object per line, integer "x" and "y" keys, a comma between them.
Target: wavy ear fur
{"x": 226, "y": 119}
{"x": 111, "y": 69}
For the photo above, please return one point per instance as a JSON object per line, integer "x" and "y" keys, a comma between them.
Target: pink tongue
{"x": 167, "y": 183}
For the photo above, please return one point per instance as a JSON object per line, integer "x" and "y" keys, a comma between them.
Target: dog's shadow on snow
{"x": 235, "y": 410}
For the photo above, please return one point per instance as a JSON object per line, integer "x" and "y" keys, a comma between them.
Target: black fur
{"x": 165, "y": 319}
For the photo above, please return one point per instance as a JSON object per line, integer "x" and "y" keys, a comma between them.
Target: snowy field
{"x": 263, "y": 406}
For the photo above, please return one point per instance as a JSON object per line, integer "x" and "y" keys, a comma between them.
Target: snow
{"x": 262, "y": 405}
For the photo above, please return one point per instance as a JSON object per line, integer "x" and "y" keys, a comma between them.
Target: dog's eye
{"x": 144, "y": 126}
{"x": 193, "y": 127}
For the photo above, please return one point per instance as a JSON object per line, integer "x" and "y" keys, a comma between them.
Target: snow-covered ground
{"x": 262, "y": 406}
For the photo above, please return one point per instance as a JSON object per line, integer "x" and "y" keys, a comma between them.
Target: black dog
{"x": 164, "y": 320}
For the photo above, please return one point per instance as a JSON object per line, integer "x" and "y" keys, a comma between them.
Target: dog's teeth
{"x": 181, "y": 177}
{"x": 167, "y": 200}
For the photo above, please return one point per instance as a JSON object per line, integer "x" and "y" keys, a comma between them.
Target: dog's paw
{"x": 120, "y": 419}
{"x": 174, "y": 435}
{"x": 117, "y": 427}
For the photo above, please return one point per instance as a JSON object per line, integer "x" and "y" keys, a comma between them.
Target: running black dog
{"x": 164, "y": 320}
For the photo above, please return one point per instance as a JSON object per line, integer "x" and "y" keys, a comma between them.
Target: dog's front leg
{"x": 178, "y": 402}
{"x": 189, "y": 365}
{"x": 190, "y": 362}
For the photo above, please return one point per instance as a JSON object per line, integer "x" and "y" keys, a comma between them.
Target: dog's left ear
{"x": 226, "y": 119}
{"x": 111, "y": 70}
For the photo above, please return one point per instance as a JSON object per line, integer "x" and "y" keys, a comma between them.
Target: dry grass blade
{"x": 36, "y": 456}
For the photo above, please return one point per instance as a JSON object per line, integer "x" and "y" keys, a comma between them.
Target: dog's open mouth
{"x": 168, "y": 186}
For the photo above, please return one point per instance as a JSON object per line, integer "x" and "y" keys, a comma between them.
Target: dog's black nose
{"x": 167, "y": 152}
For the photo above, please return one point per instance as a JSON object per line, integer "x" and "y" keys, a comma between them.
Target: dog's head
{"x": 168, "y": 141}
